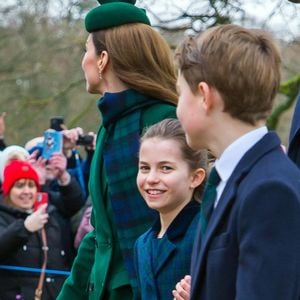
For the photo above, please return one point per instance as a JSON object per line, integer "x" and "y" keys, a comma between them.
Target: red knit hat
{"x": 15, "y": 170}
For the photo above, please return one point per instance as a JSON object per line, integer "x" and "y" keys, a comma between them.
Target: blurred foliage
{"x": 42, "y": 44}
{"x": 40, "y": 71}
{"x": 290, "y": 90}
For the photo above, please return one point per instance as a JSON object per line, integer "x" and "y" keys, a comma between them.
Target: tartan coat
{"x": 99, "y": 266}
{"x": 159, "y": 273}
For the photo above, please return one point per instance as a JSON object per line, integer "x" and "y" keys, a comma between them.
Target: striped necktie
{"x": 208, "y": 199}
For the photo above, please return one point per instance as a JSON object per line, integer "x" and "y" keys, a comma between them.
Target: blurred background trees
{"x": 42, "y": 44}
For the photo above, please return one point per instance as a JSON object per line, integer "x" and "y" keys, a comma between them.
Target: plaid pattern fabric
{"x": 121, "y": 118}
{"x": 158, "y": 271}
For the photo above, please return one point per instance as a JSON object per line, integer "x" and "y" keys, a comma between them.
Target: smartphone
{"x": 53, "y": 142}
{"x": 42, "y": 198}
{"x": 55, "y": 123}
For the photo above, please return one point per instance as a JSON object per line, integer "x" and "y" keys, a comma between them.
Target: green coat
{"x": 99, "y": 265}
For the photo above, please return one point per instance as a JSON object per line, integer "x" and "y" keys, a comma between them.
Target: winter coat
{"x": 21, "y": 248}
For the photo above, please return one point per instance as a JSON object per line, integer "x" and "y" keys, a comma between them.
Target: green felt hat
{"x": 114, "y": 13}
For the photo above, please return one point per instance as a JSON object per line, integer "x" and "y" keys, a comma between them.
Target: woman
{"x": 130, "y": 64}
{"x": 22, "y": 244}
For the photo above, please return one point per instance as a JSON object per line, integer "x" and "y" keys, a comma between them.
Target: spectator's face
{"x": 50, "y": 175}
{"x": 23, "y": 194}
{"x": 90, "y": 67}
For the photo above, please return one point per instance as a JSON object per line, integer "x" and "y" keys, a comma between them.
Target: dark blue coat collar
{"x": 180, "y": 224}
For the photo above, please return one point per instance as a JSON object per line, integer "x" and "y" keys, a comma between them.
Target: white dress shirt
{"x": 231, "y": 156}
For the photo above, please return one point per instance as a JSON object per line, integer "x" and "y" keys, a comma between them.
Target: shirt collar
{"x": 235, "y": 151}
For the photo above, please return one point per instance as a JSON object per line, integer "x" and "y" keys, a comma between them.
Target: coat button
{"x": 91, "y": 286}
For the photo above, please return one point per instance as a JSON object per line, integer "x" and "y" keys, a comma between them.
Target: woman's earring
{"x": 100, "y": 75}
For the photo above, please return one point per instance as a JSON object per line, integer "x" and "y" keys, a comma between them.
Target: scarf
{"x": 121, "y": 115}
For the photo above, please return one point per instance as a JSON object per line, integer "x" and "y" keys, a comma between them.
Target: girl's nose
{"x": 152, "y": 176}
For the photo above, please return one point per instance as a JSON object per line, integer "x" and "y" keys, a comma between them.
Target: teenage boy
{"x": 250, "y": 250}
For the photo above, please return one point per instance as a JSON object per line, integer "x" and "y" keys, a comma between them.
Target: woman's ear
{"x": 198, "y": 177}
{"x": 102, "y": 61}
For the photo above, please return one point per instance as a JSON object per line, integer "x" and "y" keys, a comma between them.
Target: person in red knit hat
{"x": 30, "y": 239}
{"x": 17, "y": 175}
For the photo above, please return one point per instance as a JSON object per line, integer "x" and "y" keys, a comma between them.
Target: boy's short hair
{"x": 242, "y": 64}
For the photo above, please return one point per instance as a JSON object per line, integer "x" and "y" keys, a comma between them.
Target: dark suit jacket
{"x": 294, "y": 137}
{"x": 251, "y": 250}
{"x": 158, "y": 274}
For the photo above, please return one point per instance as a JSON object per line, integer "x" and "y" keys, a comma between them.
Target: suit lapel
{"x": 215, "y": 219}
{"x": 266, "y": 144}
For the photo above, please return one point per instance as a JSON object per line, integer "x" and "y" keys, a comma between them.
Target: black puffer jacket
{"x": 19, "y": 247}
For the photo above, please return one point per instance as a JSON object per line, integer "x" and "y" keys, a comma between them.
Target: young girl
{"x": 170, "y": 178}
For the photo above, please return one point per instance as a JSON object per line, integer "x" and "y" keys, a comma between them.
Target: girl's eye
{"x": 166, "y": 168}
{"x": 143, "y": 168}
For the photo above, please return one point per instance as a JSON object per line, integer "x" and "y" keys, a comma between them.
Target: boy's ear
{"x": 102, "y": 61}
{"x": 197, "y": 177}
{"x": 207, "y": 95}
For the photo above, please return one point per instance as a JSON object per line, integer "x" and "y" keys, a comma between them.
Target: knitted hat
{"x": 15, "y": 170}
{"x": 10, "y": 153}
{"x": 114, "y": 13}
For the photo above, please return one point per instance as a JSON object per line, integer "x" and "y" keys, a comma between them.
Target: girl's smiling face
{"x": 164, "y": 179}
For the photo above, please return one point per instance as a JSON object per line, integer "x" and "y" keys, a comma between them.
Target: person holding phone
{"x": 22, "y": 248}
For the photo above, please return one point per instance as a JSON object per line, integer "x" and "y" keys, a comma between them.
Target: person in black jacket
{"x": 22, "y": 247}
{"x": 2, "y": 131}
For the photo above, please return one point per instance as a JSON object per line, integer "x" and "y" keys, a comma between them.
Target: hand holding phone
{"x": 53, "y": 142}
{"x": 56, "y": 122}
{"x": 41, "y": 199}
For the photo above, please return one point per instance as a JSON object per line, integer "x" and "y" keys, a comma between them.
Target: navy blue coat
{"x": 251, "y": 250}
{"x": 294, "y": 137}
{"x": 158, "y": 274}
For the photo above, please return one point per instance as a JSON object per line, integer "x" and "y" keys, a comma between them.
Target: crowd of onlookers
{"x": 44, "y": 212}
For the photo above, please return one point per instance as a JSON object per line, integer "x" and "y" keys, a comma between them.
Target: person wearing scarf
{"x": 131, "y": 65}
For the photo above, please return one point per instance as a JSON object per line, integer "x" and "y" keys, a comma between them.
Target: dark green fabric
{"x": 99, "y": 263}
{"x": 114, "y": 13}
{"x": 209, "y": 197}
{"x": 122, "y": 118}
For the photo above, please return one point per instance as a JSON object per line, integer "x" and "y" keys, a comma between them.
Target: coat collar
{"x": 177, "y": 229}
{"x": 114, "y": 105}
{"x": 17, "y": 213}
{"x": 179, "y": 225}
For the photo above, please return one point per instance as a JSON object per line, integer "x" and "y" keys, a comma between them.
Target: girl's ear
{"x": 198, "y": 177}
{"x": 102, "y": 61}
